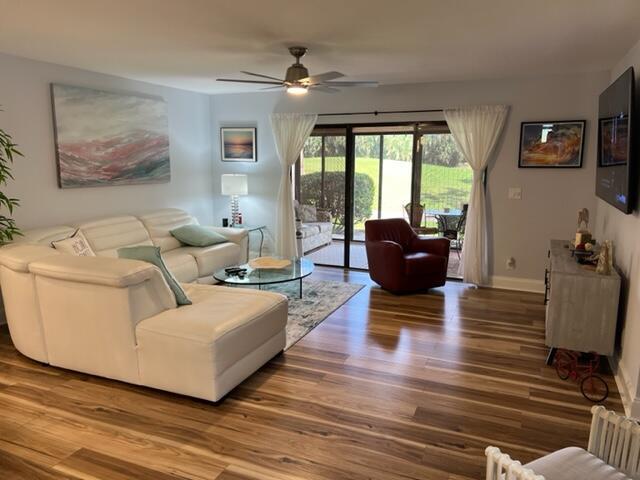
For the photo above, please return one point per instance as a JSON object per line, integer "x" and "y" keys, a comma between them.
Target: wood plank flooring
{"x": 388, "y": 387}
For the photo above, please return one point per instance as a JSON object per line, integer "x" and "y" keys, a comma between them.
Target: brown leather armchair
{"x": 402, "y": 262}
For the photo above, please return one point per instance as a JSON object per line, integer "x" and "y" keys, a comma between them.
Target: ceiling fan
{"x": 297, "y": 80}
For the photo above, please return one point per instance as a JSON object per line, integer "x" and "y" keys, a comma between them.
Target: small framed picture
{"x": 551, "y": 144}
{"x": 238, "y": 144}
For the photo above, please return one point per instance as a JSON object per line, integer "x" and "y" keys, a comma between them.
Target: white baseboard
{"x": 516, "y": 283}
{"x": 630, "y": 402}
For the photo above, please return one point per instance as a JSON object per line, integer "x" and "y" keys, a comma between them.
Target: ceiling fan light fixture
{"x": 297, "y": 90}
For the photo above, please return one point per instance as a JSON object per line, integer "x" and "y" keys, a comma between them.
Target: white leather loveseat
{"x": 188, "y": 264}
{"x": 118, "y": 319}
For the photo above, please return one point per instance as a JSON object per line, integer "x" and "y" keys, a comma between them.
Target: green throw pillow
{"x": 152, "y": 255}
{"x": 197, "y": 236}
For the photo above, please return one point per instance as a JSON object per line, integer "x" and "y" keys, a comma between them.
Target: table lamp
{"x": 234, "y": 184}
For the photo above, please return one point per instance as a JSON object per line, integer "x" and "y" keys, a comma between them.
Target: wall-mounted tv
{"x": 616, "y": 181}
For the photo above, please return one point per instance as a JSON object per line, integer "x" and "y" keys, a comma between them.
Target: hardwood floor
{"x": 388, "y": 387}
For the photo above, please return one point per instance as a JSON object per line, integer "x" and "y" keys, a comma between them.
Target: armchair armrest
{"x": 436, "y": 246}
{"x": 386, "y": 258}
{"x": 235, "y": 235}
{"x": 500, "y": 465}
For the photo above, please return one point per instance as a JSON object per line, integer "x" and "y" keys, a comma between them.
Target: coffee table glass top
{"x": 298, "y": 269}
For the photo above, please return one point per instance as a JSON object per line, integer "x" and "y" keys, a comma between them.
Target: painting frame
{"x": 117, "y": 150}
{"x": 551, "y": 126}
{"x": 226, "y": 146}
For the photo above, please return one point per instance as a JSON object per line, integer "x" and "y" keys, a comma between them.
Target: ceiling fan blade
{"x": 324, "y": 89}
{"x": 261, "y": 82}
{"x": 277, "y": 87}
{"x": 352, "y": 84}
{"x": 262, "y": 76}
{"x": 322, "y": 77}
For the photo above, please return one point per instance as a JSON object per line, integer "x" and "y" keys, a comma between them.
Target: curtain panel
{"x": 290, "y": 132}
{"x": 476, "y": 131}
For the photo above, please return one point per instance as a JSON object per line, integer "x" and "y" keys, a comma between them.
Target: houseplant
{"x": 8, "y": 152}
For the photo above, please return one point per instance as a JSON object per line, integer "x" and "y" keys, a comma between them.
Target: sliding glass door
{"x": 320, "y": 192}
{"x": 442, "y": 195}
{"x": 350, "y": 174}
{"x": 382, "y": 181}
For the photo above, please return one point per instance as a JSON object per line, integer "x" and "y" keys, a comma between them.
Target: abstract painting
{"x": 109, "y": 138}
{"x": 551, "y": 144}
{"x": 238, "y": 144}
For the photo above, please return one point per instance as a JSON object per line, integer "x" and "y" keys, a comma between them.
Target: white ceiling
{"x": 188, "y": 43}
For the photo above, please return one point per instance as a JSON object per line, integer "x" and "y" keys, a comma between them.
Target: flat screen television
{"x": 616, "y": 181}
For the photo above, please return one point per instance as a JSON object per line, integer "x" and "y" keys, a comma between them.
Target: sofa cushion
{"x": 207, "y": 348}
{"x": 212, "y": 258}
{"x": 45, "y": 235}
{"x": 107, "y": 235}
{"x": 160, "y": 223}
{"x": 197, "y": 236}
{"x": 309, "y": 230}
{"x": 181, "y": 264}
{"x": 228, "y": 322}
{"x": 151, "y": 254}
{"x": 323, "y": 227}
{"x": 574, "y": 463}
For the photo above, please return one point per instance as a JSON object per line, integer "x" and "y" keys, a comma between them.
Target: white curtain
{"x": 476, "y": 130}
{"x": 290, "y": 131}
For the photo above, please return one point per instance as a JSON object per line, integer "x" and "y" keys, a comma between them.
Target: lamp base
{"x": 235, "y": 211}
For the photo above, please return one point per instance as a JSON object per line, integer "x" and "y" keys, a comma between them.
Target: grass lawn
{"x": 442, "y": 187}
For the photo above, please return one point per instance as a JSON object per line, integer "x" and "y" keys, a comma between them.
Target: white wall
{"x": 26, "y": 101}
{"x": 550, "y": 199}
{"x": 624, "y": 230}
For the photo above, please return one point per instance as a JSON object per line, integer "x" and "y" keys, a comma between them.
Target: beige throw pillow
{"x": 76, "y": 244}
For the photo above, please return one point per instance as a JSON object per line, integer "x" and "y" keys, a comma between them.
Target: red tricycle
{"x": 582, "y": 367}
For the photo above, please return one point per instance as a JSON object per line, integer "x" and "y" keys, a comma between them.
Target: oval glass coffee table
{"x": 296, "y": 270}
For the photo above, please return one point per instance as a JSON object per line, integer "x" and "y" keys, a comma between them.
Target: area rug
{"x": 320, "y": 299}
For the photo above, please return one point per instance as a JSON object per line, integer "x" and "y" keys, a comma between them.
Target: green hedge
{"x": 334, "y": 199}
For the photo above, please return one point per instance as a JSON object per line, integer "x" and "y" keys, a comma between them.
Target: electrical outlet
{"x": 515, "y": 193}
{"x": 511, "y": 263}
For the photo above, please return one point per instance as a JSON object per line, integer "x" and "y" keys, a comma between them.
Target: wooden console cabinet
{"x": 582, "y": 306}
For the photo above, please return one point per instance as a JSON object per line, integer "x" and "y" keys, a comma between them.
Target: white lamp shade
{"x": 234, "y": 184}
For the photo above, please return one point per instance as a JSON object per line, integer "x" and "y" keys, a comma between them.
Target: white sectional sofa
{"x": 117, "y": 318}
{"x": 188, "y": 264}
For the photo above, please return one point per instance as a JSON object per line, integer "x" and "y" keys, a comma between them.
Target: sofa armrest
{"x": 112, "y": 272}
{"x": 435, "y": 246}
{"x": 385, "y": 257}
{"x": 235, "y": 235}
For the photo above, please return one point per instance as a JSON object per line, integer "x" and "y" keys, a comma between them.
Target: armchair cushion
{"x": 419, "y": 262}
{"x": 572, "y": 463}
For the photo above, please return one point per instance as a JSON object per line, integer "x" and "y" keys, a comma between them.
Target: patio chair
{"x": 416, "y": 220}
{"x": 456, "y": 234}
{"x": 612, "y": 454}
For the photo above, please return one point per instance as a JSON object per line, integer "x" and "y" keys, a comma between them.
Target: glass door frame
{"x": 416, "y": 128}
